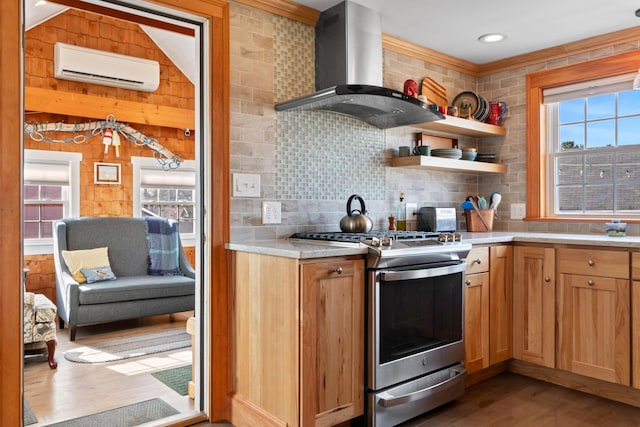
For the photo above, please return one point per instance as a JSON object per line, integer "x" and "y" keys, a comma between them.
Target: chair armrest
{"x": 185, "y": 266}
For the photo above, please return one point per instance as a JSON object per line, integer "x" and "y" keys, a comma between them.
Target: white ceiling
{"x": 453, "y": 27}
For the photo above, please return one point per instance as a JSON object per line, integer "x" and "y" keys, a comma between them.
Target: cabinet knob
{"x": 477, "y": 261}
{"x": 467, "y": 282}
{"x": 338, "y": 270}
{"x": 590, "y": 283}
{"x": 590, "y": 262}
{"x": 547, "y": 279}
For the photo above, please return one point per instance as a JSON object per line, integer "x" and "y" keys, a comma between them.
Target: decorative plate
{"x": 467, "y": 104}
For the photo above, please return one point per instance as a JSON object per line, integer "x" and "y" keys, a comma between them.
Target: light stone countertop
{"x": 293, "y": 249}
{"x": 303, "y": 250}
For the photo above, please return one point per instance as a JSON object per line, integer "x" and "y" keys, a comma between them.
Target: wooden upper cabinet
{"x": 332, "y": 316}
{"x": 594, "y": 320}
{"x": 534, "y": 305}
{"x": 501, "y": 303}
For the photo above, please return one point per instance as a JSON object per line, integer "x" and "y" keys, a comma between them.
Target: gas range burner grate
{"x": 338, "y": 236}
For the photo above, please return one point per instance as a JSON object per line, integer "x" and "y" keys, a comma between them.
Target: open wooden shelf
{"x": 447, "y": 165}
{"x": 458, "y": 126}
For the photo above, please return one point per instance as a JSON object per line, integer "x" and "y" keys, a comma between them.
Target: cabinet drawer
{"x": 593, "y": 262}
{"x": 478, "y": 260}
{"x": 635, "y": 265}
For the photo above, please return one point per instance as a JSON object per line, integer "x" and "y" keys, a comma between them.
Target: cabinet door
{"x": 635, "y": 328}
{"x": 594, "y": 327}
{"x": 332, "y": 316}
{"x": 500, "y": 303}
{"x": 476, "y": 322}
{"x": 534, "y": 296}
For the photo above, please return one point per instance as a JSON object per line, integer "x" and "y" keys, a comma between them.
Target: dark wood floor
{"x": 511, "y": 400}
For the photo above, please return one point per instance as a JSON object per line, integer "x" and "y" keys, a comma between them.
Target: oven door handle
{"x": 388, "y": 400}
{"x": 423, "y": 273}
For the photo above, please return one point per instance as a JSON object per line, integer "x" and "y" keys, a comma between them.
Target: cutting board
{"x": 435, "y": 93}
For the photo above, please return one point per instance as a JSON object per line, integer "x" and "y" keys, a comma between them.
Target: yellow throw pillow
{"x": 85, "y": 258}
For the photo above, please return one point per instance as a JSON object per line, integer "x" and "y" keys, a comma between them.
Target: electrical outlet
{"x": 246, "y": 185}
{"x": 271, "y": 213}
{"x": 518, "y": 210}
{"x": 411, "y": 210}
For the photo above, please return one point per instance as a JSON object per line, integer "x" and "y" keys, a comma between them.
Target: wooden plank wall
{"x": 175, "y": 90}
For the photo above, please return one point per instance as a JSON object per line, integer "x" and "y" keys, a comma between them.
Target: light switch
{"x": 246, "y": 185}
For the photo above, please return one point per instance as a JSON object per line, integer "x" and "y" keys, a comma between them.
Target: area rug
{"x": 176, "y": 378}
{"x": 133, "y": 346}
{"x": 28, "y": 417}
{"x": 125, "y": 416}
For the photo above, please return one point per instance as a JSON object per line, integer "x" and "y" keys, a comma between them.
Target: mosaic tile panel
{"x": 294, "y": 59}
{"x": 319, "y": 155}
{"x": 327, "y": 156}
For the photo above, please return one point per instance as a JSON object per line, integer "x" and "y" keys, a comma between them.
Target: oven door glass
{"x": 419, "y": 309}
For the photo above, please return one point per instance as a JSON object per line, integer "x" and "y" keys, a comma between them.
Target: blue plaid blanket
{"x": 162, "y": 235}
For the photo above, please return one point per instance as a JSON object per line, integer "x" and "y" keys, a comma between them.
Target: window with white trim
{"x": 51, "y": 191}
{"x": 169, "y": 193}
{"x": 593, "y": 136}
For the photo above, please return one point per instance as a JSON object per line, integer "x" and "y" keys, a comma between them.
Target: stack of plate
{"x": 449, "y": 153}
{"x": 486, "y": 157}
{"x": 471, "y": 105}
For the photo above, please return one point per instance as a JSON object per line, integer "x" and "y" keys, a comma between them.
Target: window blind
{"x": 619, "y": 83}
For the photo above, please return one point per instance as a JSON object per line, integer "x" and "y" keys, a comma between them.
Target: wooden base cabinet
{"x": 332, "y": 383}
{"x": 488, "y": 307}
{"x": 594, "y": 314}
{"x": 534, "y": 311}
{"x": 298, "y": 340}
{"x": 635, "y": 319}
{"x": 476, "y": 311}
{"x": 500, "y": 303}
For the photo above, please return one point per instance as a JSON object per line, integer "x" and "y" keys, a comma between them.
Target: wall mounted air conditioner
{"x": 105, "y": 68}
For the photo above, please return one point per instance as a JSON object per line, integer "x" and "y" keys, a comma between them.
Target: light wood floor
{"x": 77, "y": 389}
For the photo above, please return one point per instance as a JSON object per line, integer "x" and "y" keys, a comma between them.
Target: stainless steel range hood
{"x": 349, "y": 72}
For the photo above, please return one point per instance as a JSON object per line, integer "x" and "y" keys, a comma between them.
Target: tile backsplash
{"x": 312, "y": 161}
{"x": 326, "y": 156}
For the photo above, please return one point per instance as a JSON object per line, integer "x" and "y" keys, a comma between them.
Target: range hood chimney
{"x": 349, "y": 72}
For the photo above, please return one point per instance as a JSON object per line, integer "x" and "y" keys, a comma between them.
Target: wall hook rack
{"x": 84, "y": 131}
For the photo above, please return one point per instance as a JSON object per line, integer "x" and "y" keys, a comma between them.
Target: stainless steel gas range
{"x": 414, "y": 320}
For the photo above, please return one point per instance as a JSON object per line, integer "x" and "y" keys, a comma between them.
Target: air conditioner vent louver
{"x": 105, "y": 68}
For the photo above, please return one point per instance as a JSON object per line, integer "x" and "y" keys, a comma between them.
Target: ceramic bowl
{"x": 469, "y": 155}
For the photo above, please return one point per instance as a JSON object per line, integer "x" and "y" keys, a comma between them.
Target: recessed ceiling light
{"x": 492, "y": 37}
{"x": 41, "y": 2}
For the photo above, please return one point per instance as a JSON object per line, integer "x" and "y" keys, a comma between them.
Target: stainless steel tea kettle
{"x": 356, "y": 221}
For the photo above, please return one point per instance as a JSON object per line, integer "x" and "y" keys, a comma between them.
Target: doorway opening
{"x": 129, "y": 27}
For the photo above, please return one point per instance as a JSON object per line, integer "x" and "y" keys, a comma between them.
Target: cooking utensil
{"x": 482, "y": 203}
{"x": 356, "y": 221}
{"x": 496, "y": 198}
{"x": 435, "y": 92}
{"x": 466, "y": 205}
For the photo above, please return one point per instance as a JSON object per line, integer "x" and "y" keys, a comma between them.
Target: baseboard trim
{"x": 485, "y": 374}
{"x": 611, "y": 391}
{"x": 244, "y": 413}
